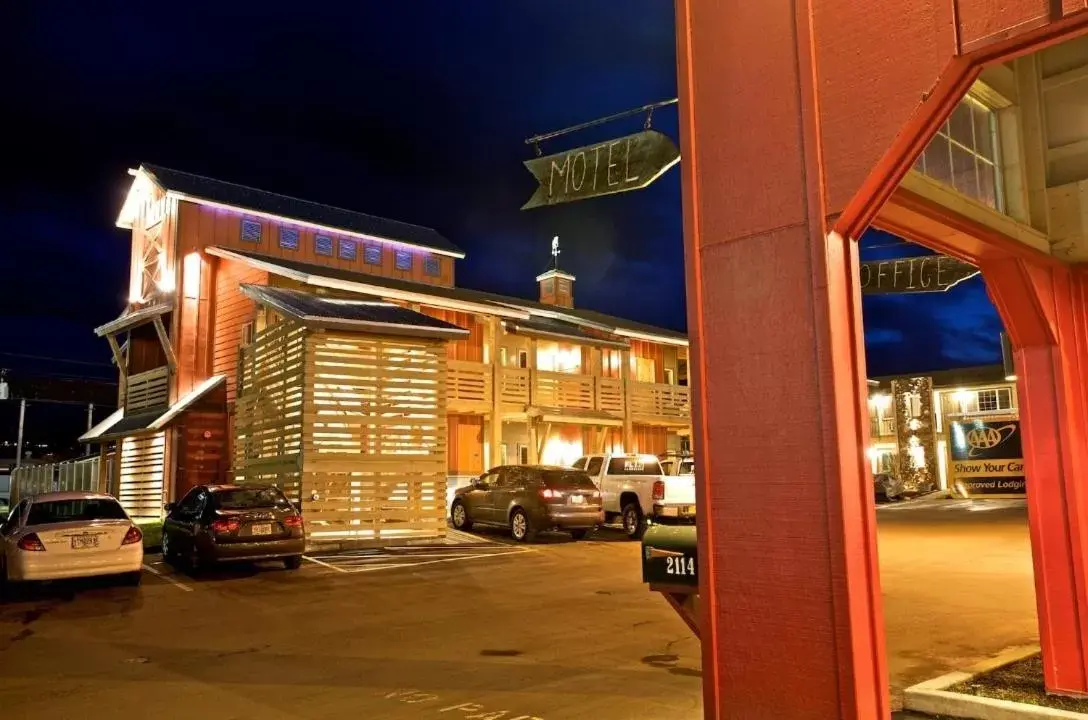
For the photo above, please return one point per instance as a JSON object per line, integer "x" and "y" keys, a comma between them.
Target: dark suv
{"x": 529, "y": 499}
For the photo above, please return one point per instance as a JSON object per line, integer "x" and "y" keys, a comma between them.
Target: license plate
{"x": 265, "y": 529}
{"x": 84, "y": 542}
{"x": 576, "y": 499}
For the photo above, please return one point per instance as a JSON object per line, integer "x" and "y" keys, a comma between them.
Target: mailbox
{"x": 669, "y": 556}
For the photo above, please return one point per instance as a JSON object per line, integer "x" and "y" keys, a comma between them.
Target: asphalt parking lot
{"x": 476, "y": 628}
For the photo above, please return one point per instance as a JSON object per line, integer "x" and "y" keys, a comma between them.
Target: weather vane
{"x": 555, "y": 252}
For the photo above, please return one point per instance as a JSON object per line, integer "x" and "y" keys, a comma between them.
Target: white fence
{"x": 71, "y": 476}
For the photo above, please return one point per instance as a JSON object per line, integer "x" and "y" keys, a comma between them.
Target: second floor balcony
{"x": 471, "y": 387}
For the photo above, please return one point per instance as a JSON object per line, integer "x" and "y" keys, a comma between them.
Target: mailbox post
{"x": 670, "y": 566}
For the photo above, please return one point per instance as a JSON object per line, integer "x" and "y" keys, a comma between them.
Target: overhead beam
{"x": 1054, "y": 82}
{"x": 164, "y": 339}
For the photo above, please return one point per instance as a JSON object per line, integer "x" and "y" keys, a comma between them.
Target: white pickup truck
{"x": 635, "y": 488}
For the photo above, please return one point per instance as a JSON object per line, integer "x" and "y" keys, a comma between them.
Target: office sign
{"x": 931, "y": 273}
{"x": 987, "y": 456}
{"x": 616, "y": 166}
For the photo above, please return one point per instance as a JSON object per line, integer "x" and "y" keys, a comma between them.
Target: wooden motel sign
{"x": 927, "y": 274}
{"x": 616, "y": 166}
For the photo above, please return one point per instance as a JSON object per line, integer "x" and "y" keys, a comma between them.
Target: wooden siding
{"x": 194, "y": 345}
{"x": 141, "y": 475}
{"x": 471, "y": 348}
{"x": 267, "y": 427}
{"x": 466, "y": 445}
{"x": 651, "y": 351}
{"x": 202, "y": 451}
{"x": 201, "y": 226}
{"x": 233, "y": 311}
{"x": 374, "y": 443}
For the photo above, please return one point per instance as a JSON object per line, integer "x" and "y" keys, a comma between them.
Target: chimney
{"x": 1006, "y": 357}
{"x": 556, "y": 286}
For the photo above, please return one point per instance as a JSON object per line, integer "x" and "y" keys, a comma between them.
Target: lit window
{"x": 431, "y": 266}
{"x": 251, "y": 231}
{"x": 347, "y": 249}
{"x": 323, "y": 245}
{"x": 372, "y": 255}
{"x": 994, "y": 400}
{"x": 288, "y": 238}
{"x": 403, "y": 260}
{"x": 964, "y": 154}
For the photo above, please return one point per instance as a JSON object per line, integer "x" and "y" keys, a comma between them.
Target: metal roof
{"x": 119, "y": 425}
{"x": 357, "y": 313}
{"x": 198, "y": 187}
{"x": 551, "y": 328}
{"x": 487, "y": 302}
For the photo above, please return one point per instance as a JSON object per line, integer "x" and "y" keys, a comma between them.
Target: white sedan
{"x": 63, "y": 535}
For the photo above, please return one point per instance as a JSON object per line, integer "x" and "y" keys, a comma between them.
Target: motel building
{"x": 953, "y": 430}
{"x": 273, "y": 340}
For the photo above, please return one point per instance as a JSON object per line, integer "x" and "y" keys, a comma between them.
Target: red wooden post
{"x": 1046, "y": 311}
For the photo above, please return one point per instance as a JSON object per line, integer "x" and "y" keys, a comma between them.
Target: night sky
{"x": 411, "y": 110}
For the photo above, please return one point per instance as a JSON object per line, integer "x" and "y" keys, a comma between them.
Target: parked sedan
{"x": 221, "y": 523}
{"x": 63, "y": 535}
{"x": 529, "y": 499}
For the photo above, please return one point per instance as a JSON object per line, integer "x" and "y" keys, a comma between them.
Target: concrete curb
{"x": 932, "y": 696}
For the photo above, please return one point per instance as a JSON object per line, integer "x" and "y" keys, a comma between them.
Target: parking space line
{"x": 323, "y": 564}
{"x": 167, "y": 578}
{"x": 375, "y": 568}
{"x": 474, "y": 539}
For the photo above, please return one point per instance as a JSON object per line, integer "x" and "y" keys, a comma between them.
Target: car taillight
{"x": 133, "y": 536}
{"x": 659, "y": 490}
{"x": 30, "y": 543}
{"x": 292, "y": 521}
{"x": 221, "y": 527}
{"x": 549, "y": 494}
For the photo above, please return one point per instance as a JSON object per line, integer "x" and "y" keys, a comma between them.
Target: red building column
{"x": 792, "y": 624}
{"x": 1046, "y": 313}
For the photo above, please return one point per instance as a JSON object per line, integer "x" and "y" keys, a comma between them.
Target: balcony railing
{"x": 469, "y": 390}
{"x": 657, "y": 400}
{"x": 882, "y": 427}
{"x": 468, "y": 386}
{"x": 147, "y": 390}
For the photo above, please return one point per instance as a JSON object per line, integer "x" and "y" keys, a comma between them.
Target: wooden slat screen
{"x": 268, "y": 413}
{"x": 374, "y": 450}
{"x": 140, "y": 490}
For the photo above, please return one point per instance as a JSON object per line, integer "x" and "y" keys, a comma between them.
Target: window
{"x": 251, "y": 231}
{"x": 403, "y": 260}
{"x": 432, "y": 267}
{"x": 670, "y": 376}
{"x": 348, "y": 249}
{"x": 579, "y": 464}
{"x": 964, "y": 154}
{"x": 372, "y": 255}
{"x": 61, "y": 511}
{"x": 523, "y": 358}
{"x": 993, "y": 400}
{"x": 633, "y": 466}
{"x": 288, "y": 238}
{"x": 323, "y": 245}
{"x": 593, "y": 467}
{"x": 523, "y": 454}
{"x": 250, "y": 498}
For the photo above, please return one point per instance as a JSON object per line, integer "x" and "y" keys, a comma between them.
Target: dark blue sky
{"x": 412, "y": 110}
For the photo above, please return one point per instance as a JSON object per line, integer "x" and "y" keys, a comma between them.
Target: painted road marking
{"x": 467, "y": 710}
{"x": 374, "y": 559}
{"x": 466, "y": 537}
{"x": 167, "y": 578}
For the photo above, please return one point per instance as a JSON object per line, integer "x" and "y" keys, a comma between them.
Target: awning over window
{"x": 561, "y": 330}
{"x": 361, "y": 313}
{"x": 118, "y": 425}
{"x": 134, "y": 318}
{"x": 573, "y": 417}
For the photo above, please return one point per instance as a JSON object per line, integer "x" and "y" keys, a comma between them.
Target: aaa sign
{"x": 629, "y": 163}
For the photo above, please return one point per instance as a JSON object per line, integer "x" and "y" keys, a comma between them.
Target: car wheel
{"x": 168, "y": 554}
{"x": 459, "y": 515}
{"x": 579, "y": 534}
{"x": 634, "y": 522}
{"x": 521, "y": 529}
{"x": 293, "y": 563}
